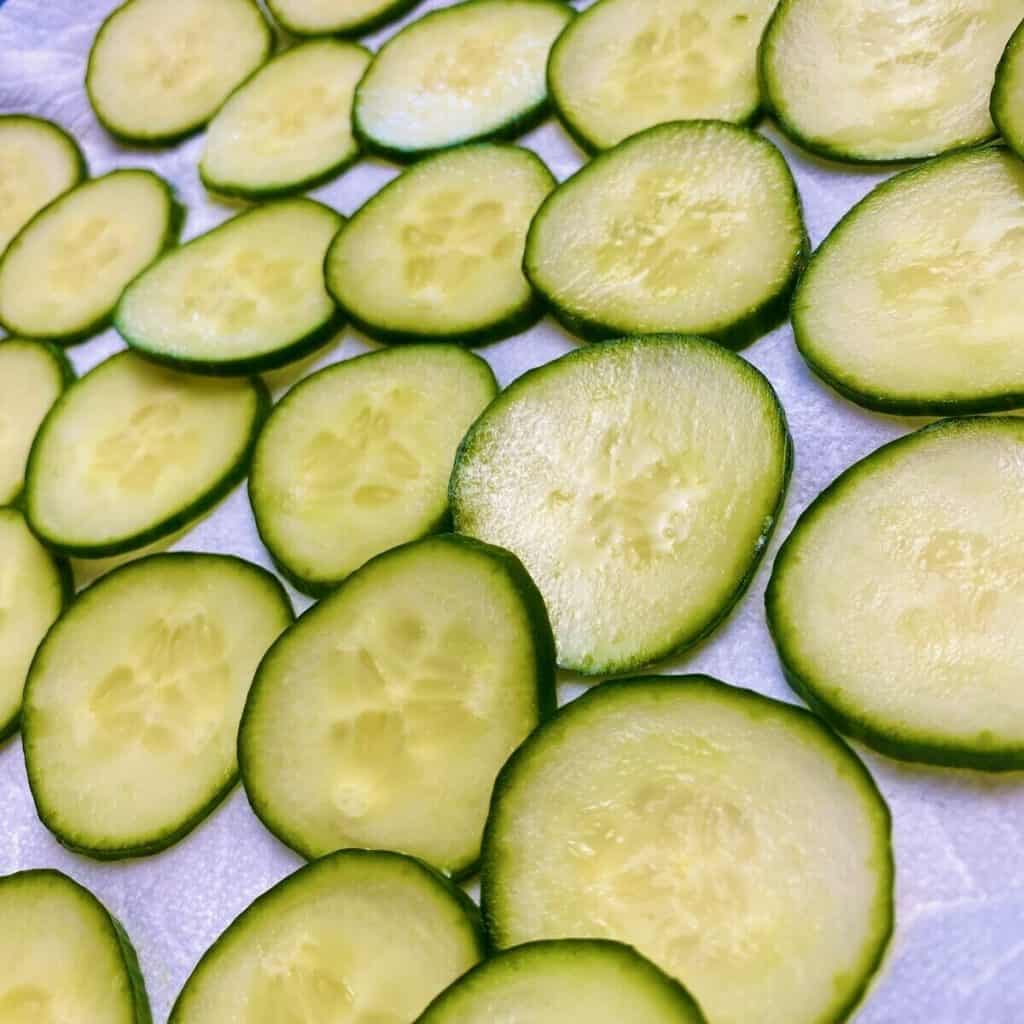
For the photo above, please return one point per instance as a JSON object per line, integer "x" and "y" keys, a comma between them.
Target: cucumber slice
{"x": 438, "y": 252}
{"x": 132, "y": 452}
{"x": 567, "y": 981}
{"x": 626, "y": 65}
{"x": 361, "y": 935}
{"x": 690, "y": 226}
{"x": 38, "y": 162}
{"x": 159, "y": 71}
{"x": 426, "y": 669}
{"x": 32, "y": 376}
{"x": 1007, "y": 102}
{"x": 33, "y": 589}
{"x": 910, "y": 304}
{"x": 859, "y": 80}
{"x": 246, "y": 297}
{"x": 65, "y": 957}
{"x": 133, "y": 701}
{"x": 62, "y": 275}
{"x": 336, "y": 17}
{"x": 613, "y": 473}
{"x": 733, "y": 839}
{"x": 355, "y": 459}
{"x": 895, "y": 603}
{"x": 471, "y": 71}
{"x": 289, "y": 127}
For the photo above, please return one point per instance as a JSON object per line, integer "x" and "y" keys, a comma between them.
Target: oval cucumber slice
{"x": 289, "y": 127}
{"x": 733, "y": 839}
{"x": 65, "y": 957}
{"x": 626, "y": 65}
{"x": 361, "y": 935}
{"x": 1007, "y": 103}
{"x": 336, "y": 17}
{"x": 64, "y": 272}
{"x": 613, "y": 473}
{"x": 690, "y": 227}
{"x": 438, "y": 252}
{"x": 133, "y": 701}
{"x": 472, "y": 71}
{"x": 910, "y": 304}
{"x": 159, "y": 71}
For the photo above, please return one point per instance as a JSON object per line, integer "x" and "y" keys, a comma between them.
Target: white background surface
{"x": 958, "y": 952}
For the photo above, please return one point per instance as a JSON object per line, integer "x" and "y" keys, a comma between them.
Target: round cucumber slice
{"x": 733, "y": 839}
{"x": 65, "y": 957}
{"x": 336, "y": 17}
{"x": 468, "y": 72}
{"x": 438, "y": 252}
{"x": 613, "y": 473}
{"x": 626, "y": 65}
{"x": 895, "y": 602}
{"x": 133, "y": 701}
{"x": 1007, "y": 102}
{"x": 159, "y": 71}
{"x": 691, "y": 226}
{"x": 361, "y": 935}
{"x": 355, "y": 459}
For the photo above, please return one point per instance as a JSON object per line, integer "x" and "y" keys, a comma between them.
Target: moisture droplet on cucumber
{"x": 336, "y": 17}
{"x": 1007, "y": 103}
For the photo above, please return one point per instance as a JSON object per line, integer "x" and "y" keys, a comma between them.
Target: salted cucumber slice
{"x": 1007, "y": 103}
{"x": 734, "y": 840}
{"x": 336, "y": 17}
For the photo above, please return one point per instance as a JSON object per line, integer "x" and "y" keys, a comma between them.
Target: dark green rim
{"x": 1001, "y": 102}
{"x": 391, "y": 10}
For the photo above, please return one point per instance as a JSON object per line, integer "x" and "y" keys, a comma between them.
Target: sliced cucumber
{"x": 614, "y": 473}
{"x": 65, "y": 270}
{"x": 910, "y": 304}
{"x": 247, "y": 296}
{"x": 159, "y": 71}
{"x": 733, "y": 839}
{"x": 336, "y": 17}
{"x": 38, "y": 162}
{"x": 33, "y": 589}
{"x": 566, "y": 981}
{"x": 860, "y": 80}
{"x": 289, "y": 127}
{"x": 627, "y": 65}
{"x": 438, "y": 253}
{"x": 132, "y": 452}
{"x": 65, "y": 957}
{"x": 471, "y": 71}
{"x": 32, "y": 376}
{"x": 133, "y": 701}
{"x": 361, "y": 935}
{"x": 689, "y": 226}
{"x": 1007, "y": 103}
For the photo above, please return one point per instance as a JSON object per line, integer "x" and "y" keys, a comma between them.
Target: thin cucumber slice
{"x": 361, "y": 935}
{"x": 132, "y": 452}
{"x": 336, "y": 17}
{"x": 289, "y": 127}
{"x": 1007, "y": 103}
{"x": 246, "y": 297}
{"x": 419, "y": 675}
{"x": 133, "y": 701}
{"x": 468, "y": 72}
{"x": 565, "y": 981}
{"x": 690, "y": 226}
{"x": 65, "y": 957}
{"x": 626, "y": 65}
{"x": 34, "y": 586}
{"x": 355, "y": 459}
{"x": 65, "y": 270}
{"x": 896, "y": 601}
{"x": 38, "y": 162}
{"x": 438, "y": 253}
{"x": 613, "y": 473}
{"x": 911, "y": 303}
{"x": 32, "y": 376}
{"x": 159, "y": 71}
{"x": 862, "y": 81}
{"x": 733, "y": 839}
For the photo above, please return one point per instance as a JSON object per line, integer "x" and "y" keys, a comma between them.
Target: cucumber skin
{"x": 999, "y": 101}
{"x": 390, "y": 12}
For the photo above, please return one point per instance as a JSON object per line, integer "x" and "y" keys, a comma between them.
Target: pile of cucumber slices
{"x": 664, "y": 849}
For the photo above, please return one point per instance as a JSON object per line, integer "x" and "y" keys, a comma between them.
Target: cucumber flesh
{"x": 613, "y": 473}
{"x": 1007, "y": 103}
{"x": 734, "y": 840}
{"x": 336, "y": 17}
{"x": 360, "y": 936}
{"x": 438, "y": 253}
{"x": 355, "y": 459}
{"x": 692, "y": 227}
